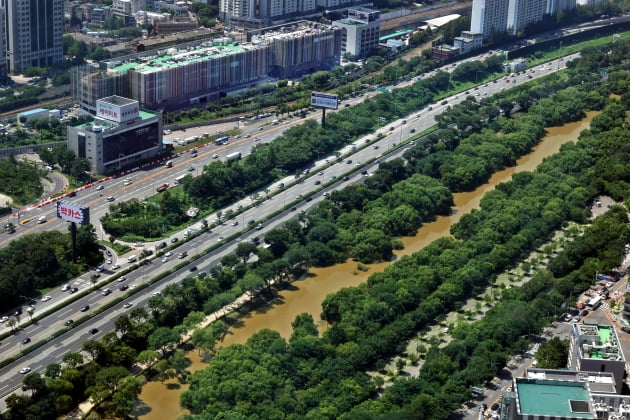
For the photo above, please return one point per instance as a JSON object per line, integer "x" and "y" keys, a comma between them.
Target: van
{"x": 275, "y": 122}
{"x": 132, "y": 258}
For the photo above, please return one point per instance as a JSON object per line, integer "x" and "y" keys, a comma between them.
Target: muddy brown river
{"x": 160, "y": 400}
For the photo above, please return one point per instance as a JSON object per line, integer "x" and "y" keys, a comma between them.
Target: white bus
{"x": 179, "y": 179}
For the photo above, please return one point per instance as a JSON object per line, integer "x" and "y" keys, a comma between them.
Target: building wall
{"x": 33, "y": 32}
{"x": 317, "y": 47}
{"x": 523, "y": 12}
{"x": 109, "y": 150}
{"x": 489, "y": 16}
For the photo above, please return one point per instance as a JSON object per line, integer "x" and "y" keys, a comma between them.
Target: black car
{"x": 443, "y": 102}
{"x": 192, "y": 268}
{"x": 68, "y": 322}
{"x": 108, "y": 253}
{"x": 626, "y": 330}
{"x": 162, "y": 245}
{"x": 255, "y": 239}
{"x": 74, "y": 290}
{"x": 318, "y": 182}
{"x": 175, "y": 239}
{"x": 26, "y": 340}
{"x": 251, "y": 222}
{"x": 85, "y": 308}
{"x": 123, "y": 287}
{"x": 93, "y": 331}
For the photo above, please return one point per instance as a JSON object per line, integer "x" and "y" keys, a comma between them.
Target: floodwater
{"x": 161, "y": 400}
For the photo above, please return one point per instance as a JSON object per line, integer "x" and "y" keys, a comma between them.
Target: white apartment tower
{"x": 497, "y": 16}
{"x": 33, "y": 31}
{"x": 489, "y": 16}
{"x": 523, "y": 12}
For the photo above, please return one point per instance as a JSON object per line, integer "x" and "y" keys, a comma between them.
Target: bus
{"x": 221, "y": 140}
{"x": 179, "y": 179}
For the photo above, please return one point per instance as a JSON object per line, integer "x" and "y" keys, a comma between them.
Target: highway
{"x": 362, "y": 153}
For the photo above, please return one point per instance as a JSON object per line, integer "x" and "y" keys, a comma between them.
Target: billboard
{"x": 119, "y": 110}
{"x": 73, "y": 212}
{"x": 324, "y": 100}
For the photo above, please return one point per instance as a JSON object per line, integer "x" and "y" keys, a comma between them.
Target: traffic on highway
{"x": 72, "y": 306}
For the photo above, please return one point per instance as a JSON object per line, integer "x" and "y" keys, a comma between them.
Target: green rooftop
{"x": 546, "y": 398}
{"x": 182, "y": 57}
{"x": 351, "y": 22}
{"x": 395, "y": 34}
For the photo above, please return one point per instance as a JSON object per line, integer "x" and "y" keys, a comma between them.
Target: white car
{"x": 128, "y": 182}
{"x": 133, "y": 286}
{"x": 46, "y": 298}
{"x": 168, "y": 254}
{"x": 25, "y": 370}
{"x": 116, "y": 267}
{"x": 164, "y": 259}
{"x": 220, "y": 238}
{"x": 4, "y": 319}
{"x": 127, "y": 305}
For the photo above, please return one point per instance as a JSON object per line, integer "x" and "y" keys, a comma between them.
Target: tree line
{"x": 370, "y": 323}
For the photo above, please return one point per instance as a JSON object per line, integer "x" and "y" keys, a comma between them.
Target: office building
{"x": 595, "y": 348}
{"x": 361, "y": 31}
{"x": 121, "y": 135}
{"x": 201, "y": 71}
{"x": 34, "y": 30}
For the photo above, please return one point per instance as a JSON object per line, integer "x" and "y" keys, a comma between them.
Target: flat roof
{"x": 549, "y": 398}
{"x": 395, "y": 34}
{"x": 174, "y": 58}
{"x": 118, "y": 100}
{"x": 599, "y": 342}
{"x": 109, "y": 125}
{"x": 33, "y": 111}
{"x": 351, "y": 22}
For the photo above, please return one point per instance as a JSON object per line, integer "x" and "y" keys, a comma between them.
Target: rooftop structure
{"x": 595, "y": 348}
{"x": 201, "y": 71}
{"x": 564, "y": 394}
{"x": 122, "y": 134}
{"x": 361, "y": 31}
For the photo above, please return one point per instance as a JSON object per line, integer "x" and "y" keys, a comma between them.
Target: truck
{"x": 221, "y": 140}
{"x": 233, "y": 156}
{"x": 162, "y": 187}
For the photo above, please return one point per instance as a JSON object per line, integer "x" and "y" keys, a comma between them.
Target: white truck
{"x": 233, "y": 156}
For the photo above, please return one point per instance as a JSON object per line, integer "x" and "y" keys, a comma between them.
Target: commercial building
{"x": 361, "y": 31}
{"x": 32, "y": 114}
{"x": 202, "y": 71}
{"x": 595, "y": 348}
{"x": 566, "y": 395}
{"x": 121, "y": 135}
{"x": 489, "y": 17}
{"x": 33, "y": 32}
{"x": 468, "y": 41}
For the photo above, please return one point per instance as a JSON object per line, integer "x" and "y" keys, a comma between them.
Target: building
{"x": 515, "y": 65}
{"x": 100, "y": 16}
{"x": 4, "y": 69}
{"x": 595, "y": 348}
{"x": 468, "y": 41}
{"x": 444, "y": 52}
{"x": 33, "y": 31}
{"x": 121, "y": 135}
{"x": 493, "y": 17}
{"x": 361, "y": 31}
{"x": 32, "y": 114}
{"x": 128, "y": 7}
{"x": 523, "y": 12}
{"x": 201, "y": 71}
{"x": 489, "y": 17}
{"x": 564, "y": 394}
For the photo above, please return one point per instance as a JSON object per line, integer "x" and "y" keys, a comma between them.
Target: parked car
{"x": 626, "y": 330}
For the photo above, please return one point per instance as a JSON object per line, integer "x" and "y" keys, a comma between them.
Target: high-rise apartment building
{"x": 498, "y": 16}
{"x": 523, "y": 12}
{"x": 489, "y": 17}
{"x": 34, "y": 30}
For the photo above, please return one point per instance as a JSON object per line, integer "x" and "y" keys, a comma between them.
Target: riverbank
{"x": 305, "y": 296}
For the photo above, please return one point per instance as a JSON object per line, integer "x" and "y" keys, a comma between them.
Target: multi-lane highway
{"x": 332, "y": 173}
